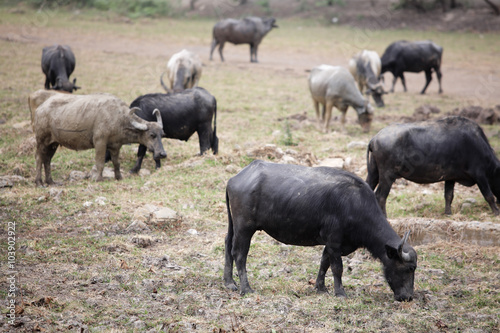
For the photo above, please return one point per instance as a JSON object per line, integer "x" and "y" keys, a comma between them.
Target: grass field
{"x": 83, "y": 265}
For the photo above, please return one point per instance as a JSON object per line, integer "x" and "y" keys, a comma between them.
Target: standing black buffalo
{"x": 249, "y": 30}
{"x": 58, "y": 62}
{"x": 305, "y": 206}
{"x": 404, "y": 56}
{"x": 182, "y": 114}
{"x": 453, "y": 149}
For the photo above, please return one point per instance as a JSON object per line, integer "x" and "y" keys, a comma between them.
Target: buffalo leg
{"x": 485, "y": 189}
{"x": 403, "y": 81}
{"x": 100, "y": 156}
{"x": 44, "y": 157}
{"x": 323, "y": 268}
{"x": 47, "y": 83}
{"x": 212, "y": 47}
{"x": 241, "y": 246}
{"x": 141, "y": 152}
{"x": 448, "y": 195}
{"x": 221, "y": 47}
{"x": 204, "y": 135}
{"x": 382, "y": 192}
{"x": 428, "y": 79}
{"x": 115, "y": 158}
{"x": 337, "y": 269}
{"x": 373, "y": 176}
{"x": 439, "y": 75}
{"x": 343, "y": 112}
{"x": 327, "y": 115}
{"x": 318, "y": 114}
{"x": 394, "y": 82}
{"x": 228, "y": 267}
{"x": 252, "y": 53}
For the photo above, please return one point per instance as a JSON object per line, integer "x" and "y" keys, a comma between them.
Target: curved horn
{"x": 157, "y": 113}
{"x": 137, "y": 125}
{"x": 404, "y": 255}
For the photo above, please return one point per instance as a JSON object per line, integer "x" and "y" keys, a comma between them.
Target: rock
{"x": 139, "y": 325}
{"x": 276, "y": 133}
{"x": 55, "y": 193}
{"x": 142, "y": 241}
{"x": 357, "y": 145}
{"x": 288, "y": 160}
{"x": 137, "y": 226}
{"x": 75, "y": 176}
{"x": 192, "y": 232}
{"x": 472, "y": 201}
{"x": 87, "y": 203}
{"x": 466, "y": 206}
{"x": 347, "y": 162}
{"x": 332, "y": 163}
{"x": 231, "y": 169}
{"x": 101, "y": 201}
{"x": 10, "y": 181}
{"x": 165, "y": 214}
{"x": 107, "y": 173}
{"x": 22, "y": 124}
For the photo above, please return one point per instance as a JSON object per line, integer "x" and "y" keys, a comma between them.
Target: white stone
{"x": 192, "y": 232}
{"x": 357, "y": 145}
{"x": 332, "y": 163}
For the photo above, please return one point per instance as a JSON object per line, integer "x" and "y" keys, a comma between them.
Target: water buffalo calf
{"x": 305, "y": 206}
{"x": 365, "y": 67}
{"x": 183, "y": 114}
{"x": 183, "y": 70}
{"x": 453, "y": 150}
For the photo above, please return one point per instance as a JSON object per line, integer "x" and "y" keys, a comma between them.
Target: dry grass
{"x": 83, "y": 267}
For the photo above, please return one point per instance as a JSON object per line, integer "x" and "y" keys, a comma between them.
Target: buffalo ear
{"x": 392, "y": 253}
{"x": 75, "y": 87}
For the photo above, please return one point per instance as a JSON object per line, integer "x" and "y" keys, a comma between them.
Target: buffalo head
{"x": 150, "y": 133}
{"x": 376, "y": 90}
{"x": 65, "y": 85}
{"x": 399, "y": 269}
{"x": 365, "y": 116}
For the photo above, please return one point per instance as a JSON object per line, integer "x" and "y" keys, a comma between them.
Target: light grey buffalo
{"x": 183, "y": 71}
{"x": 99, "y": 121}
{"x": 249, "y": 30}
{"x": 334, "y": 86}
{"x": 365, "y": 67}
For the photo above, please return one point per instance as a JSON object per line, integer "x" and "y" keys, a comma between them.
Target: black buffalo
{"x": 183, "y": 114}
{"x": 249, "y": 30}
{"x": 453, "y": 150}
{"x": 404, "y": 56}
{"x": 58, "y": 62}
{"x": 305, "y": 206}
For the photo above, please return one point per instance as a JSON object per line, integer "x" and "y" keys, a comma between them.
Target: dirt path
{"x": 469, "y": 83}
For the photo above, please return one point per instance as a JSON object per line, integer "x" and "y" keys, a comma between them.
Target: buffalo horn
{"x": 157, "y": 113}
{"x": 404, "y": 255}
{"x": 134, "y": 122}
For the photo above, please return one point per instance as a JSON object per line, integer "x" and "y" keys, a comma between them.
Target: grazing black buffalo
{"x": 58, "y": 62}
{"x": 453, "y": 149}
{"x": 403, "y": 56}
{"x": 249, "y": 30}
{"x": 305, "y": 206}
{"x": 184, "y": 113}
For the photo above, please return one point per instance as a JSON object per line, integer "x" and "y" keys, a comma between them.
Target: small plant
{"x": 287, "y": 139}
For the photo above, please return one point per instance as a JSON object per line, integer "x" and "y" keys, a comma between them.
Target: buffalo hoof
{"x": 246, "y": 291}
{"x": 231, "y": 286}
{"x": 321, "y": 290}
{"x": 340, "y": 293}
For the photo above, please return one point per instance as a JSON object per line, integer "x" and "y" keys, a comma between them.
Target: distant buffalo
{"x": 183, "y": 70}
{"x": 249, "y": 30}
{"x": 58, "y": 62}
{"x": 365, "y": 67}
{"x": 403, "y": 56}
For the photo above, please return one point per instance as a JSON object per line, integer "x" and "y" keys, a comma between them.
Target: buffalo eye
{"x": 153, "y": 135}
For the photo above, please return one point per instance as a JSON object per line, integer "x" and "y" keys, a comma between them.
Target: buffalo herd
{"x": 296, "y": 205}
